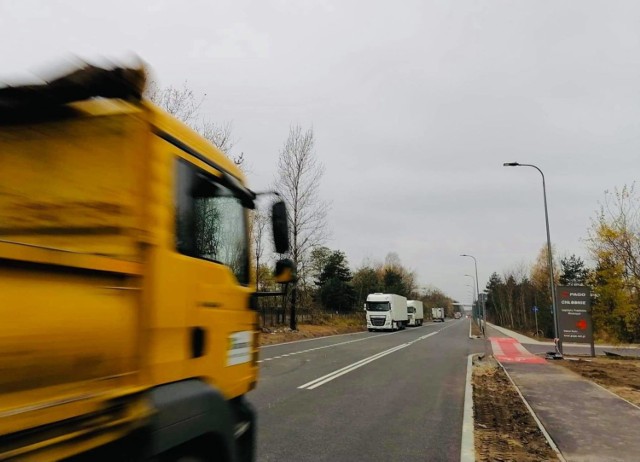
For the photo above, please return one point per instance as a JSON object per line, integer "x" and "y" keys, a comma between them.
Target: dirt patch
{"x": 305, "y": 331}
{"x": 504, "y": 428}
{"x": 475, "y": 329}
{"x": 619, "y": 375}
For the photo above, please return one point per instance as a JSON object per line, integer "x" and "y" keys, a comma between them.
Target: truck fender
{"x": 185, "y": 411}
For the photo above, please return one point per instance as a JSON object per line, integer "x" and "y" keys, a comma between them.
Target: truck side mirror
{"x": 280, "y": 225}
{"x": 285, "y": 271}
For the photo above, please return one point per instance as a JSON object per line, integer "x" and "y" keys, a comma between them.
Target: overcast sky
{"x": 415, "y": 105}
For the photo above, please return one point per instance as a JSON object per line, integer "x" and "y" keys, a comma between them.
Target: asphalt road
{"x": 371, "y": 396}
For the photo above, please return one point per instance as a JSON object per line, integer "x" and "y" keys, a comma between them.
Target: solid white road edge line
{"x": 535, "y": 417}
{"x": 312, "y": 339}
{"x": 467, "y": 446}
{"x": 352, "y": 367}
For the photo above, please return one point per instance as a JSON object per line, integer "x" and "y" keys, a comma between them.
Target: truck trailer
{"x": 437, "y": 314}
{"x": 415, "y": 312}
{"x": 386, "y": 311}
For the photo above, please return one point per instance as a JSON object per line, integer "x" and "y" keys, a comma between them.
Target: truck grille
{"x": 378, "y": 321}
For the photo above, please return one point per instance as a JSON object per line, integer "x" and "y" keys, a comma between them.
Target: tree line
{"x": 613, "y": 243}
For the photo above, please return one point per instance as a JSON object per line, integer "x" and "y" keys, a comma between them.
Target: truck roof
{"x": 94, "y": 91}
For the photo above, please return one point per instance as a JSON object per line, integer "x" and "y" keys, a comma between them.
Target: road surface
{"x": 374, "y": 396}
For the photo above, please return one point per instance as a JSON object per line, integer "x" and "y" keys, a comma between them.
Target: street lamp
{"x": 556, "y": 327}
{"x": 475, "y": 263}
{"x": 474, "y": 299}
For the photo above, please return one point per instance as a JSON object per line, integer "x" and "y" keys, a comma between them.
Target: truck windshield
{"x": 411, "y": 309}
{"x": 378, "y": 306}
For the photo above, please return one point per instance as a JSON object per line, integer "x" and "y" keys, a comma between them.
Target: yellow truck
{"x": 128, "y": 325}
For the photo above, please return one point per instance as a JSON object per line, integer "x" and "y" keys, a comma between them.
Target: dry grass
{"x": 322, "y": 324}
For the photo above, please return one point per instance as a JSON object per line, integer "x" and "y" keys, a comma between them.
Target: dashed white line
{"x": 330, "y": 346}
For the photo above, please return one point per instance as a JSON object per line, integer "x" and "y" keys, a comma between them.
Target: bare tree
{"x": 184, "y": 104}
{"x": 298, "y": 182}
{"x": 220, "y": 135}
{"x": 258, "y": 227}
{"x": 181, "y": 102}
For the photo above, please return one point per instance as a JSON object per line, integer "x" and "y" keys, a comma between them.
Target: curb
{"x": 472, "y": 337}
{"x": 467, "y": 445}
{"x": 535, "y": 417}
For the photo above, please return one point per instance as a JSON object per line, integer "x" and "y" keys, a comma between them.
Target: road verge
{"x": 505, "y": 427}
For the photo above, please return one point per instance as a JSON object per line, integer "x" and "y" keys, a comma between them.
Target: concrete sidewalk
{"x": 585, "y": 421}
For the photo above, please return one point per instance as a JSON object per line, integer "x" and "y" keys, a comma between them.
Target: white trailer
{"x": 415, "y": 312}
{"x": 386, "y": 311}
{"x": 437, "y": 314}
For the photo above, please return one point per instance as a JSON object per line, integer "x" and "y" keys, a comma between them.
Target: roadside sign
{"x": 574, "y": 314}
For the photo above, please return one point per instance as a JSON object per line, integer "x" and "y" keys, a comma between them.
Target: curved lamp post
{"x": 556, "y": 327}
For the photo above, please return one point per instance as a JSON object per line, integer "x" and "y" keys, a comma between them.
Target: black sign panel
{"x": 574, "y": 314}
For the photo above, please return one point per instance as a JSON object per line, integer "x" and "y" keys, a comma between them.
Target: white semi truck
{"x": 386, "y": 311}
{"x": 415, "y": 312}
{"x": 437, "y": 314}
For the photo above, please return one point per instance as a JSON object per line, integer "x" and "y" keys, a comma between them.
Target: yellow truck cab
{"x": 128, "y": 329}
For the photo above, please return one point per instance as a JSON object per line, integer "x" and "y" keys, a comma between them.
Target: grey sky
{"x": 415, "y": 106}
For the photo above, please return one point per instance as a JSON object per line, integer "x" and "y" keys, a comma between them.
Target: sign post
{"x": 535, "y": 311}
{"x": 574, "y": 315}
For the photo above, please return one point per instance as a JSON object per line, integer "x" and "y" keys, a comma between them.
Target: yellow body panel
{"x": 96, "y": 304}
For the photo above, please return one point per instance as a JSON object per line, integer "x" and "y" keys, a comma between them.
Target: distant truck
{"x": 457, "y": 315}
{"x": 415, "y": 312}
{"x": 437, "y": 314}
{"x": 386, "y": 311}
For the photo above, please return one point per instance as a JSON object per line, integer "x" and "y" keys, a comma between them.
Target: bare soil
{"x": 475, "y": 329}
{"x": 282, "y": 335}
{"x": 619, "y": 375}
{"x": 504, "y": 428}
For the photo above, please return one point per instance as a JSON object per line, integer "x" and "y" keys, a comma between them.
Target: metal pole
{"x": 293, "y": 325}
{"x": 474, "y": 314}
{"x": 536, "y": 315}
{"x": 474, "y": 301}
{"x": 556, "y": 326}
{"x": 475, "y": 263}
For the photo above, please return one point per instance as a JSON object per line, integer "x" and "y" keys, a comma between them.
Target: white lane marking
{"x": 326, "y": 378}
{"x": 332, "y": 336}
{"x": 358, "y": 364}
{"x": 334, "y": 345}
{"x": 312, "y": 339}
